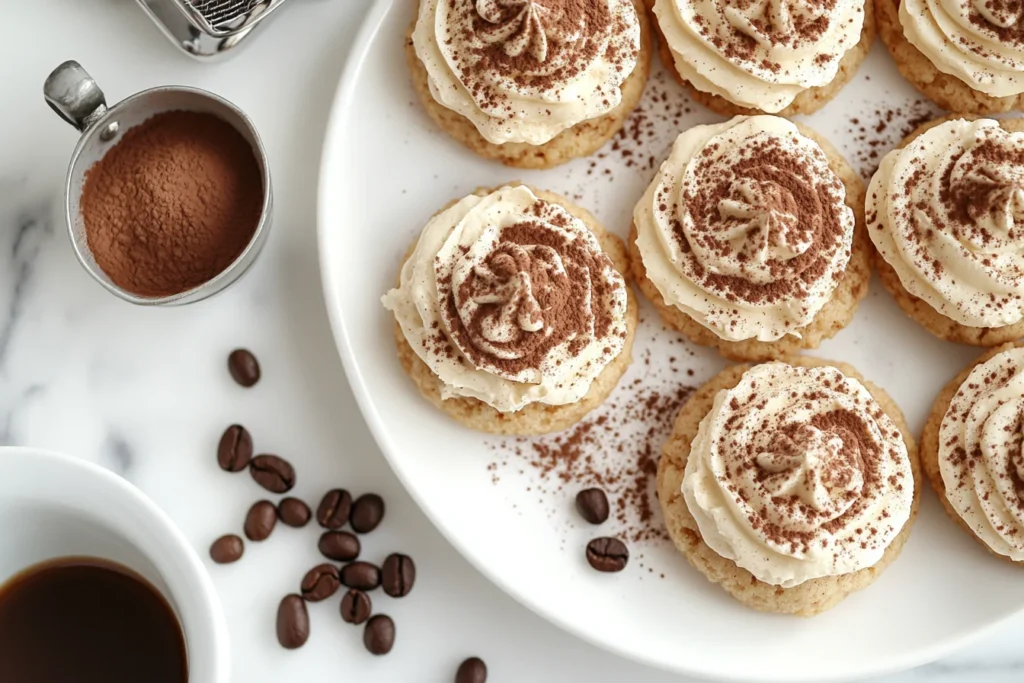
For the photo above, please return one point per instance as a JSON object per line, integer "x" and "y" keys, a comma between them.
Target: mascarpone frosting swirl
{"x": 525, "y": 70}
{"x": 797, "y": 473}
{"x": 980, "y": 452}
{"x": 981, "y": 42}
{"x": 944, "y": 211}
{"x": 745, "y": 228}
{"x": 759, "y": 53}
{"x": 510, "y": 299}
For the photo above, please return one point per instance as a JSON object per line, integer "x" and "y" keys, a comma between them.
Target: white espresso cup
{"x": 54, "y": 506}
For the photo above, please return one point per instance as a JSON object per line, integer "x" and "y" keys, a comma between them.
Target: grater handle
{"x": 74, "y": 95}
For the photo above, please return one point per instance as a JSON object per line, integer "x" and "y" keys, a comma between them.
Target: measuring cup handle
{"x": 74, "y": 95}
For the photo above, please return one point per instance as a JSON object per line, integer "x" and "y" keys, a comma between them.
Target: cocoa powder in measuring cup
{"x": 172, "y": 204}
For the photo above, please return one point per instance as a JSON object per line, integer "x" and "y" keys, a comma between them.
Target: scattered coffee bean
{"x": 293, "y": 512}
{"x": 292, "y": 622}
{"x": 339, "y": 545}
{"x": 320, "y": 582}
{"x": 473, "y": 670}
{"x": 227, "y": 549}
{"x": 235, "y": 449}
{"x": 355, "y": 607}
{"x": 592, "y": 505}
{"x": 379, "y": 635}
{"x": 272, "y": 473}
{"x": 334, "y": 509}
{"x": 360, "y": 575}
{"x": 260, "y": 520}
{"x": 367, "y": 512}
{"x": 398, "y": 574}
{"x": 244, "y": 367}
{"x": 607, "y": 554}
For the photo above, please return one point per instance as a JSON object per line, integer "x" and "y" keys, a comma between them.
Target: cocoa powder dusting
{"x": 539, "y": 45}
{"x": 646, "y": 138}
{"x": 616, "y": 449}
{"x": 172, "y": 204}
{"x": 877, "y": 131}
{"x": 540, "y": 308}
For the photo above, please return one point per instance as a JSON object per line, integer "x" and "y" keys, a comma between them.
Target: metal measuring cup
{"x": 74, "y": 95}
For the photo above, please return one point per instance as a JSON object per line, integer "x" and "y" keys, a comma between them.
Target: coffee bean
{"x": 607, "y": 554}
{"x": 360, "y": 575}
{"x": 367, "y": 512}
{"x": 320, "y": 582}
{"x": 293, "y": 512}
{"x": 272, "y": 473}
{"x": 244, "y": 367}
{"x": 592, "y": 505}
{"x": 473, "y": 670}
{"x": 339, "y": 545}
{"x": 235, "y": 449}
{"x": 227, "y": 549}
{"x": 334, "y": 508}
{"x": 260, "y": 520}
{"x": 292, "y": 622}
{"x": 398, "y": 574}
{"x": 355, "y": 607}
{"x": 379, "y": 634}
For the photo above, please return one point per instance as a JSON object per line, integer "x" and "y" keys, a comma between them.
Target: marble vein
{"x": 31, "y": 229}
{"x": 9, "y": 408}
{"x": 118, "y": 453}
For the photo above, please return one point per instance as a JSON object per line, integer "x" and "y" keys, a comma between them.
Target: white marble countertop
{"x": 145, "y": 393}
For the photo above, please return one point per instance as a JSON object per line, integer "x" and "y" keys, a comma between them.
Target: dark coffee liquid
{"x": 84, "y": 620}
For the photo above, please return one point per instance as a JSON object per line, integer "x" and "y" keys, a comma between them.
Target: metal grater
{"x": 208, "y": 28}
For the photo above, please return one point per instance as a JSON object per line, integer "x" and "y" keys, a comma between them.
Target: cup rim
{"x": 222, "y": 279}
{"x": 189, "y": 571}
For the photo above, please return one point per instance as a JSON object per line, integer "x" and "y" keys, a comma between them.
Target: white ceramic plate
{"x": 387, "y": 168}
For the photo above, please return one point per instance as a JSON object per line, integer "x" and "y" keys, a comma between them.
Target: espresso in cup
{"x": 86, "y": 620}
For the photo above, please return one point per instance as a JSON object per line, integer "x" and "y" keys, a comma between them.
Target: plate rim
{"x": 341, "y": 103}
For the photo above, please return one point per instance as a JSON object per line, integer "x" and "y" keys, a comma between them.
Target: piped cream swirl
{"x": 981, "y": 460}
{"x": 510, "y": 299}
{"x": 947, "y": 213}
{"x": 797, "y": 473}
{"x": 745, "y": 228}
{"x": 759, "y": 53}
{"x": 981, "y": 42}
{"x": 525, "y": 70}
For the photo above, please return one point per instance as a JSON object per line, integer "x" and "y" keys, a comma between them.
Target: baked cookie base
{"x": 930, "y": 445}
{"x": 946, "y": 90}
{"x": 808, "y": 598}
{"x": 535, "y": 418}
{"x": 581, "y": 140}
{"x": 806, "y": 102}
{"x": 921, "y": 311}
{"x": 837, "y": 312}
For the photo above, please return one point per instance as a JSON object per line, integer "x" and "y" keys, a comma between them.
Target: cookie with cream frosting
{"x": 967, "y": 57}
{"x": 942, "y": 212}
{"x": 791, "y": 484}
{"x": 778, "y": 58}
{"x": 971, "y": 450}
{"x": 751, "y": 239}
{"x": 530, "y": 83}
{"x": 512, "y": 311}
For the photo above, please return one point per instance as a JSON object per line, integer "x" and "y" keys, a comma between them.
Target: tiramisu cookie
{"x": 751, "y": 238}
{"x": 942, "y": 211}
{"x": 513, "y": 314}
{"x": 531, "y": 83}
{"x": 763, "y": 57}
{"x": 971, "y": 450}
{"x": 966, "y": 56}
{"x": 790, "y": 484}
